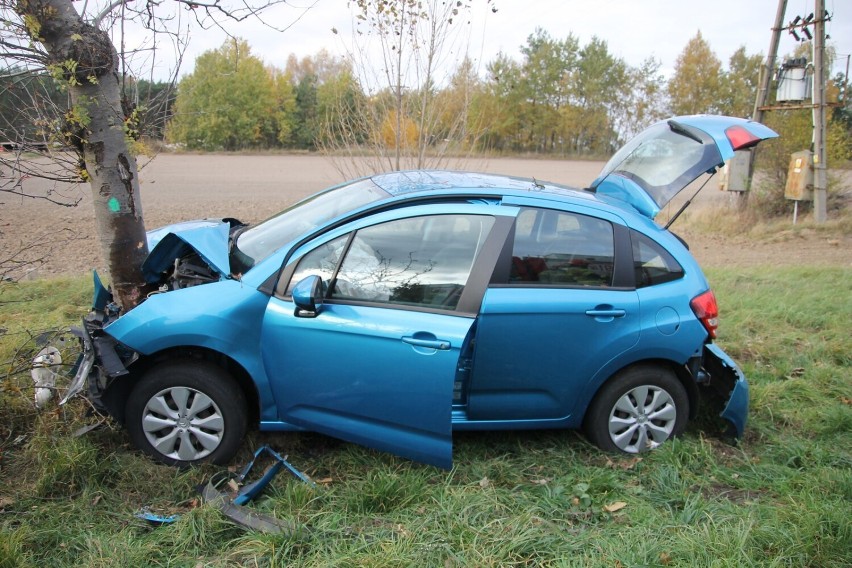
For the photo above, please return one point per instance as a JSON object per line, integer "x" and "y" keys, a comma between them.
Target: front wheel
{"x": 186, "y": 412}
{"x": 637, "y": 410}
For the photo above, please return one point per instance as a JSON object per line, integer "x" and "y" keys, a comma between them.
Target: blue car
{"x": 395, "y": 309}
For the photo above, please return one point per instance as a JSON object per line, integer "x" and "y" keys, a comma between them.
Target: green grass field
{"x": 781, "y": 498}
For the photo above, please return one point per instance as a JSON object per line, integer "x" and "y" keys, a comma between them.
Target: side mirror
{"x": 307, "y": 295}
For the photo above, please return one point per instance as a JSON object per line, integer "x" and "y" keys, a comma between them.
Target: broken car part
{"x": 232, "y": 506}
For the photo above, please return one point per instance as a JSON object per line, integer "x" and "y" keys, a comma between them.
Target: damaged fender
{"x": 729, "y": 384}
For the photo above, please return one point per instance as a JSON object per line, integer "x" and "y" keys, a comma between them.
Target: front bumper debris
{"x": 102, "y": 358}
{"x": 728, "y": 388}
{"x": 232, "y": 506}
{"x": 98, "y": 360}
{"x": 84, "y": 364}
{"x": 231, "y": 503}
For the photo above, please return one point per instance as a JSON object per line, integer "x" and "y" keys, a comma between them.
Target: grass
{"x": 781, "y": 498}
{"x": 753, "y": 224}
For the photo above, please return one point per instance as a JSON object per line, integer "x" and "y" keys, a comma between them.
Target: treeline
{"x": 559, "y": 97}
{"x": 556, "y": 97}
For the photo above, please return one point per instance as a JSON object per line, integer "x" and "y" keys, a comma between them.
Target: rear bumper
{"x": 729, "y": 385}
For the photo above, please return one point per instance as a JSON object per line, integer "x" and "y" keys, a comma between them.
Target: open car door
{"x": 658, "y": 163}
{"x": 370, "y": 353}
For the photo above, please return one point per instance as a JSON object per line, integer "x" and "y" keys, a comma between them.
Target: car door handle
{"x": 428, "y": 343}
{"x": 610, "y": 313}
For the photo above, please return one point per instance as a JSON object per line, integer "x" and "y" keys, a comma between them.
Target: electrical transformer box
{"x": 794, "y": 81}
{"x": 734, "y": 174}
{"x": 800, "y": 177}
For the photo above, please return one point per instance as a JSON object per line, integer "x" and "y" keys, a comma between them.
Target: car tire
{"x": 185, "y": 412}
{"x": 637, "y": 410}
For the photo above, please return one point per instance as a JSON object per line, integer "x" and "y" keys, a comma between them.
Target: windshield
{"x": 663, "y": 159}
{"x": 258, "y": 242}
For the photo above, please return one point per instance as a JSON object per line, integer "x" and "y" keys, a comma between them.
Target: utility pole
{"x": 818, "y": 103}
{"x": 820, "y": 209}
{"x": 740, "y": 196}
{"x": 768, "y": 68}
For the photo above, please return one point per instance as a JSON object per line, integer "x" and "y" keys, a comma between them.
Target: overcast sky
{"x": 633, "y": 29}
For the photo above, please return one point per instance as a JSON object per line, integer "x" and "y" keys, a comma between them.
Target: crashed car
{"x": 393, "y": 310}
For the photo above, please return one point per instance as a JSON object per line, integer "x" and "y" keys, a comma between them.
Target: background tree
{"x": 229, "y": 102}
{"x": 499, "y": 103}
{"x": 843, "y": 112}
{"x": 644, "y": 99}
{"x": 546, "y": 71}
{"x": 401, "y": 50}
{"x": 695, "y": 86}
{"x": 598, "y": 95}
{"x": 316, "y": 81}
{"x": 459, "y": 127}
{"x": 306, "y": 118}
{"x": 567, "y": 98}
{"x": 739, "y": 84}
{"x": 285, "y": 106}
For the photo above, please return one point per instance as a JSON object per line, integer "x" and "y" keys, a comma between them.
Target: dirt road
{"x": 251, "y": 188}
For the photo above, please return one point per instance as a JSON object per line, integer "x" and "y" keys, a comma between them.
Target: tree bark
{"x": 88, "y": 62}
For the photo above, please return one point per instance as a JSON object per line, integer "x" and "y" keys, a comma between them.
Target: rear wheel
{"x": 186, "y": 412}
{"x": 637, "y": 410}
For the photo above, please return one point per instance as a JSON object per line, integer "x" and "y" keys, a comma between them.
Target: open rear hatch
{"x": 662, "y": 160}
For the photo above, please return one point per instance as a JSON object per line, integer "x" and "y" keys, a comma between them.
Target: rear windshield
{"x": 258, "y": 242}
{"x": 662, "y": 160}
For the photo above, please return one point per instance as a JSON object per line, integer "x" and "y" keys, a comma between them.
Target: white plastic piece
{"x": 45, "y": 369}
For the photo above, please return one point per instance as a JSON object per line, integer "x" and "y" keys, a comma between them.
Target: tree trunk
{"x": 86, "y": 59}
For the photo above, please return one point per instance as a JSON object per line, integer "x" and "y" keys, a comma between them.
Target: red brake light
{"x": 707, "y": 311}
{"x": 740, "y": 138}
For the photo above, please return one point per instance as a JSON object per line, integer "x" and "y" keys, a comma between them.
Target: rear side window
{"x": 561, "y": 248}
{"x": 652, "y": 264}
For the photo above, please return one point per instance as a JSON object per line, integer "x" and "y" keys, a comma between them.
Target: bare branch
{"x": 106, "y": 11}
{"x": 23, "y": 256}
{"x": 414, "y": 115}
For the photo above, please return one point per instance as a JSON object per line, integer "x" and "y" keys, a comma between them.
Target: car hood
{"x": 207, "y": 237}
{"x": 657, "y": 164}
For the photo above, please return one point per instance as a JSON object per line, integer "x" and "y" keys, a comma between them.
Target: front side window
{"x": 419, "y": 261}
{"x": 322, "y": 262}
{"x": 561, "y": 248}
{"x": 652, "y": 264}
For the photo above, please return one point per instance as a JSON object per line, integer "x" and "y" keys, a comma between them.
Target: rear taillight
{"x": 707, "y": 311}
{"x": 740, "y": 138}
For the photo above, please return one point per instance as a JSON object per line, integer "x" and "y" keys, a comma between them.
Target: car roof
{"x": 416, "y": 184}
{"x": 401, "y": 183}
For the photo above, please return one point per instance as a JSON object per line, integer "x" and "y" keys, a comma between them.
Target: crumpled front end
{"x": 181, "y": 256}
{"x": 727, "y": 388}
{"x": 103, "y": 359}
